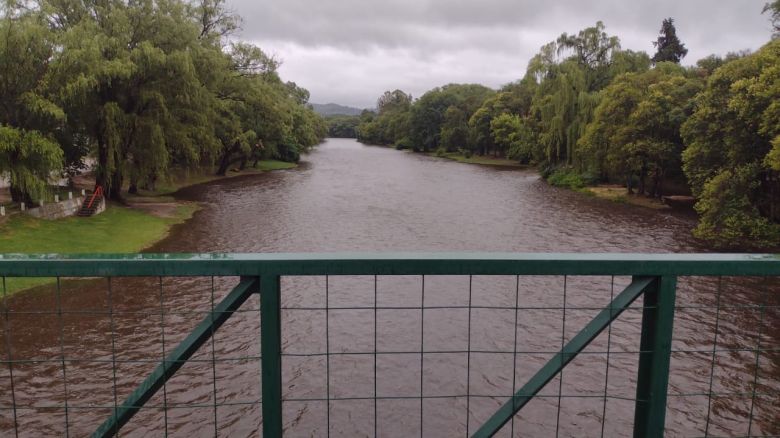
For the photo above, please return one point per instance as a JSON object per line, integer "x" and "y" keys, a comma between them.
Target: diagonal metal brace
{"x": 567, "y": 354}
{"x": 164, "y": 371}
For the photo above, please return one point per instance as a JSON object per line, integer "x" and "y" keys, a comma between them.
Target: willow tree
{"x": 128, "y": 80}
{"x": 570, "y": 72}
{"x": 29, "y": 154}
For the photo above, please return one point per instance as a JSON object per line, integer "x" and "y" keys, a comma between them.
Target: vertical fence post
{"x": 655, "y": 347}
{"x": 271, "y": 352}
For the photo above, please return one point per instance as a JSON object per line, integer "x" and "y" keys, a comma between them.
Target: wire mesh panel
{"x": 391, "y": 353}
{"x": 75, "y": 349}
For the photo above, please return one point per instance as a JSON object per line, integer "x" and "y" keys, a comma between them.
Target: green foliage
{"x": 403, "y": 144}
{"x": 731, "y": 154}
{"x": 635, "y": 133}
{"x": 566, "y": 177}
{"x": 429, "y": 118}
{"x": 29, "y": 159}
{"x": 773, "y": 8}
{"x": 29, "y": 156}
{"x": 729, "y": 215}
{"x": 390, "y": 124}
{"x": 145, "y": 86}
{"x": 340, "y": 126}
{"x": 513, "y": 135}
{"x": 670, "y": 48}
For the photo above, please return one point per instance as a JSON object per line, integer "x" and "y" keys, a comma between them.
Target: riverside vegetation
{"x": 588, "y": 111}
{"x": 143, "y": 88}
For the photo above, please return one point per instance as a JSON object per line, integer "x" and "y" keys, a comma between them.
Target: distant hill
{"x": 332, "y": 109}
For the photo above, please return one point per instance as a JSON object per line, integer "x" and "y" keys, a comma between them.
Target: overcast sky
{"x": 351, "y": 51}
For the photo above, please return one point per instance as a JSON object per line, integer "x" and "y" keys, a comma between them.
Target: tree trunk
{"x": 17, "y": 195}
{"x": 101, "y": 172}
{"x": 133, "y": 189}
{"x": 151, "y": 183}
{"x": 642, "y": 175}
{"x": 224, "y": 162}
{"x": 115, "y": 190}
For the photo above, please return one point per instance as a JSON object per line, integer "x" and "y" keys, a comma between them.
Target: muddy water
{"x": 349, "y": 197}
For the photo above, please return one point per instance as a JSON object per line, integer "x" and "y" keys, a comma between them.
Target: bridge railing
{"x": 716, "y": 317}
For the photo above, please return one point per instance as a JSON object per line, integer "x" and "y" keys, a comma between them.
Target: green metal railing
{"x": 654, "y": 277}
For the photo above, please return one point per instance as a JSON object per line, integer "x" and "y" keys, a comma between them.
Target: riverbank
{"x": 478, "y": 159}
{"x": 186, "y": 178}
{"x": 616, "y": 193}
{"x": 119, "y": 229}
{"x": 568, "y": 179}
{"x": 145, "y": 219}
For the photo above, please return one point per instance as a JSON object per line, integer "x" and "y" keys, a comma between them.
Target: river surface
{"x": 89, "y": 343}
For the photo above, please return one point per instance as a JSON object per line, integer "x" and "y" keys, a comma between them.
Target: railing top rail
{"x": 216, "y": 264}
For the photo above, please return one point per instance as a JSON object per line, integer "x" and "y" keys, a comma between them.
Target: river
{"x": 349, "y": 197}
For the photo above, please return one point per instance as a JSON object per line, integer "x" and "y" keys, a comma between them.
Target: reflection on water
{"x": 348, "y": 197}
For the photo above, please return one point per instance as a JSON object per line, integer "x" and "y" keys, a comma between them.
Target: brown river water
{"x": 89, "y": 344}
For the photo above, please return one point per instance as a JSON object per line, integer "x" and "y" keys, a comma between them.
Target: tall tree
{"x": 29, "y": 154}
{"x": 669, "y": 46}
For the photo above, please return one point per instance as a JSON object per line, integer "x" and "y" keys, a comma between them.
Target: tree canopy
{"x": 668, "y": 45}
{"x": 588, "y": 108}
{"x": 141, "y": 87}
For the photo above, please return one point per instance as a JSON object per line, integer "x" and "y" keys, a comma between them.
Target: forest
{"x": 587, "y": 111}
{"x": 140, "y": 87}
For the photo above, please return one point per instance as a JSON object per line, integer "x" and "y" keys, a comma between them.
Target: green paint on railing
{"x": 148, "y": 265}
{"x": 566, "y": 355}
{"x": 202, "y": 333}
{"x": 654, "y": 276}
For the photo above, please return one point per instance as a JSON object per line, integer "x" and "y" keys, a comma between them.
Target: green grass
{"x": 117, "y": 230}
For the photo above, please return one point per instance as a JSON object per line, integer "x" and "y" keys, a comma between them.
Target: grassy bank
{"x": 569, "y": 179}
{"x": 184, "y": 178}
{"x": 120, "y": 229}
{"x": 117, "y": 230}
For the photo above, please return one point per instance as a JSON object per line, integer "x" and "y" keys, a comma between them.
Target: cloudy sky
{"x": 351, "y": 51}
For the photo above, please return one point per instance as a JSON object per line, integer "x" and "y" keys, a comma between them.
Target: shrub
{"x": 566, "y": 177}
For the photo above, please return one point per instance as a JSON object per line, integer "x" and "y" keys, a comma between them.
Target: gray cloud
{"x": 350, "y": 51}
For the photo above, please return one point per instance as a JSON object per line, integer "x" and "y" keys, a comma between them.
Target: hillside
{"x": 332, "y": 109}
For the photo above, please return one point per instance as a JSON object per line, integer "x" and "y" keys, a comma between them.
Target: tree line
{"x": 589, "y": 111}
{"x": 140, "y": 86}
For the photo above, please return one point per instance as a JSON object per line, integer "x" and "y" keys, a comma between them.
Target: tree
{"x": 28, "y": 118}
{"x": 733, "y": 142}
{"x": 28, "y": 158}
{"x": 636, "y": 129}
{"x": 427, "y": 115}
{"x": 774, "y": 9}
{"x": 513, "y": 136}
{"x": 592, "y": 46}
{"x": 454, "y": 129}
{"x": 567, "y": 90}
{"x": 669, "y": 46}
{"x": 392, "y": 101}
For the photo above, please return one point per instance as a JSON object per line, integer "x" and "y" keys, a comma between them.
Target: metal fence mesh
{"x": 385, "y": 356}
